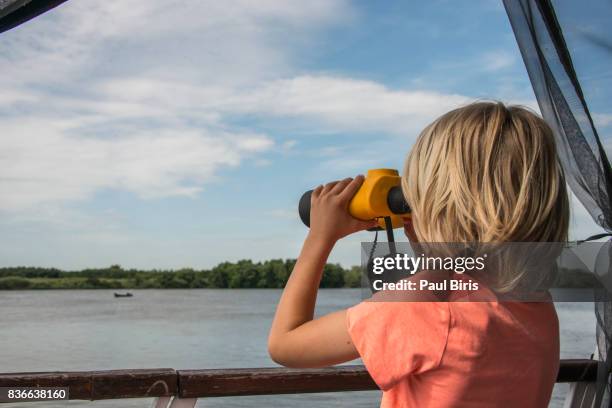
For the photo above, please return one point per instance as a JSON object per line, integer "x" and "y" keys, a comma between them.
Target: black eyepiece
{"x": 304, "y": 208}
{"x": 396, "y": 201}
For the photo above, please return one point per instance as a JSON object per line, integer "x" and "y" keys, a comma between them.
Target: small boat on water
{"x": 122, "y": 295}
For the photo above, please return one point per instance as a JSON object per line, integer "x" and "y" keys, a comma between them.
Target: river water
{"x": 183, "y": 329}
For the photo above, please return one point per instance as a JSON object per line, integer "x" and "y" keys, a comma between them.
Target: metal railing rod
{"x": 163, "y": 382}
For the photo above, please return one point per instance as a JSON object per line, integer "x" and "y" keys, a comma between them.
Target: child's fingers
{"x": 371, "y": 223}
{"x": 351, "y": 188}
{"x": 364, "y": 225}
{"x": 338, "y": 188}
{"x": 316, "y": 192}
{"x": 329, "y": 186}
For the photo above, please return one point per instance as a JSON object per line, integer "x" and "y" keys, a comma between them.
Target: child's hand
{"x": 329, "y": 216}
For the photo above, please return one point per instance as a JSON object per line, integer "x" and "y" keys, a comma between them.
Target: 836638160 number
{"x": 22, "y": 394}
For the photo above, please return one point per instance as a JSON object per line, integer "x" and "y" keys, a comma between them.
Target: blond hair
{"x": 487, "y": 172}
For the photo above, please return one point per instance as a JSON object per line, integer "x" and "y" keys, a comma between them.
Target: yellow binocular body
{"x": 379, "y": 196}
{"x": 372, "y": 199}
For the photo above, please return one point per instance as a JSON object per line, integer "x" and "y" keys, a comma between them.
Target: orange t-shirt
{"x": 458, "y": 354}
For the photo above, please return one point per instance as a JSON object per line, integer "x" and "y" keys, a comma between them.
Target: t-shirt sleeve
{"x": 396, "y": 339}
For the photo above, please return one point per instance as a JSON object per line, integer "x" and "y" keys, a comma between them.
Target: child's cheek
{"x": 409, "y": 229}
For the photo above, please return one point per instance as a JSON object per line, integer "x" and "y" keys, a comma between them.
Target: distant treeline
{"x": 241, "y": 274}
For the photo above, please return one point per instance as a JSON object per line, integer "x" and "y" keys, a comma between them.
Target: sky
{"x": 173, "y": 134}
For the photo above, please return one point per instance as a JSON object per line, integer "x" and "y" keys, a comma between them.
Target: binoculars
{"x": 380, "y": 197}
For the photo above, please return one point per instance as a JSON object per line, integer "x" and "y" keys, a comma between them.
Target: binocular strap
{"x": 390, "y": 239}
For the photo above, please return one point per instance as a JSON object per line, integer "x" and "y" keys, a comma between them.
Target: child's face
{"x": 409, "y": 230}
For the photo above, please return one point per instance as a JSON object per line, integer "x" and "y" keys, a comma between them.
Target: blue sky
{"x": 182, "y": 134}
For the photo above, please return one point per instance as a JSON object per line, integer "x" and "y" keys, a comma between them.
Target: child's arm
{"x": 296, "y": 340}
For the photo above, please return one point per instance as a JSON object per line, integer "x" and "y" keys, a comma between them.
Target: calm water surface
{"x": 182, "y": 329}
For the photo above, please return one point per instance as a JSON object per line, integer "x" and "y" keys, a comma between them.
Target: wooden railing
{"x": 166, "y": 382}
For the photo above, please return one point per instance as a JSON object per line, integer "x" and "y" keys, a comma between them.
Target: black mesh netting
{"x": 15, "y": 12}
{"x": 567, "y": 49}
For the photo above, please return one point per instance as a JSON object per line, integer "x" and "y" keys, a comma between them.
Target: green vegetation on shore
{"x": 241, "y": 274}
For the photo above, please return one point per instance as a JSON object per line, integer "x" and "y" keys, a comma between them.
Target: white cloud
{"x": 344, "y": 103}
{"x": 142, "y": 99}
{"x": 497, "y": 60}
{"x": 208, "y": 40}
{"x": 74, "y": 125}
{"x": 47, "y": 164}
{"x": 602, "y": 119}
{"x": 341, "y": 104}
